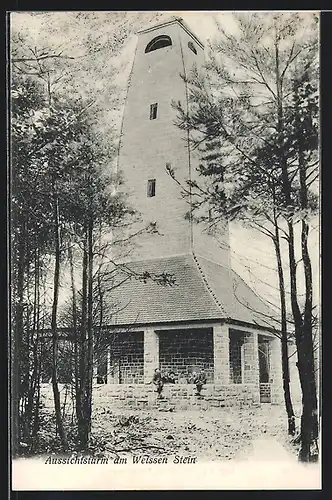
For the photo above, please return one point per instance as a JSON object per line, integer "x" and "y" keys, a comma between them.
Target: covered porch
{"x": 241, "y": 358}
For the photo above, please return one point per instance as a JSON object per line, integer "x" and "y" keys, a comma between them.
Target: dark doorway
{"x": 236, "y": 358}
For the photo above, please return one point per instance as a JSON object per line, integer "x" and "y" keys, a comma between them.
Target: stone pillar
{"x": 276, "y": 371}
{"x": 221, "y": 354}
{"x": 108, "y": 364}
{"x": 251, "y": 361}
{"x": 151, "y": 353}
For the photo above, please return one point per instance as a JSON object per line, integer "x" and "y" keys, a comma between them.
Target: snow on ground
{"x": 211, "y": 435}
{"x": 229, "y": 448}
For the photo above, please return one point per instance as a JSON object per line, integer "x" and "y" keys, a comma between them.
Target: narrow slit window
{"x": 153, "y": 111}
{"x": 192, "y": 47}
{"x": 151, "y": 188}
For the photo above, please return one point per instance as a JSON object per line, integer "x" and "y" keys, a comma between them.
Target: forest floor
{"x": 216, "y": 434}
{"x": 233, "y": 448}
{"x": 211, "y": 435}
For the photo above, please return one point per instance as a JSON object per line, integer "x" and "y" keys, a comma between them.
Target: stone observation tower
{"x": 209, "y": 319}
{"x": 151, "y": 143}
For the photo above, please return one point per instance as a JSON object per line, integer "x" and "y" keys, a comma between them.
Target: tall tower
{"x": 151, "y": 142}
{"x": 208, "y": 318}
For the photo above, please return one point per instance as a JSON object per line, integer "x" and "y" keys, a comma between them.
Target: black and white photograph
{"x": 164, "y": 249}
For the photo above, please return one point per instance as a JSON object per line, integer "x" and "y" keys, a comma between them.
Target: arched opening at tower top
{"x": 192, "y": 47}
{"x": 158, "y": 43}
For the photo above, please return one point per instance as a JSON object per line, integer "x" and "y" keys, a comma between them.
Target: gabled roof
{"x": 202, "y": 290}
{"x": 167, "y": 22}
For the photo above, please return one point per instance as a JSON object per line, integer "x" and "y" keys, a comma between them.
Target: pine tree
{"x": 255, "y": 128}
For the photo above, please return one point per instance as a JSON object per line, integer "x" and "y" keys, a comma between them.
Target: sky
{"x": 252, "y": 254}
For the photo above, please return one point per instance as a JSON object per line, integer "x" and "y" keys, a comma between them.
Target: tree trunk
{"x": 88, "y": 364}
{"x": 16, "y": 348}
{"x": 33, "y": 379}
{"x": 306, "y": 361}
{"x": 309, "y": 420}
{"x": 37, "y": 354}
{"x": 55, "y": 340}
{"x": 90, "y": 332}
{"x": 284, "y": 337}
{"x": 78, "y": 407}
{"x": 303, "y": 330}
{"x": 306, "y": 369}
{"x": 83, "y": 353}
{"x": 26, "y": 348}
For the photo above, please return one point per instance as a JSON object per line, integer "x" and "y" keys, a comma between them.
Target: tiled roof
{"x": 238, "y": 300}
{"x": 203, "y": 290}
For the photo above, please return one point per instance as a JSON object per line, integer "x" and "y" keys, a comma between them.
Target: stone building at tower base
{"x": 192, "y": 324}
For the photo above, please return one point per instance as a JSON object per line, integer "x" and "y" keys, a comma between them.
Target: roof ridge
{"x": 237, "y": 275}
{"x": 171, "y": 20}
{"x": 259, "y": 297}
{"x": 206, "y": 283}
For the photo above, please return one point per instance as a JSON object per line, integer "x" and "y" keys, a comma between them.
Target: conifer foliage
{"x": 253, "y": 119}
{"x": 62, "y": 200}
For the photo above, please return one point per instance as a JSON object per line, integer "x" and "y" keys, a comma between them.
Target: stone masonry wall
{"x": 151, "y": 353}
{"x": 186, "y": 351}
{"x": 221, "y": 354}
{"x": 251, "y": 362}
{"x": 127, "y": 355}
{"x": 275, "y": 371}
{"x": 179, "y": 396}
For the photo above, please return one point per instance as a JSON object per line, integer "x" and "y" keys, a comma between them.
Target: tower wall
{"x": 148, "y": 145}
